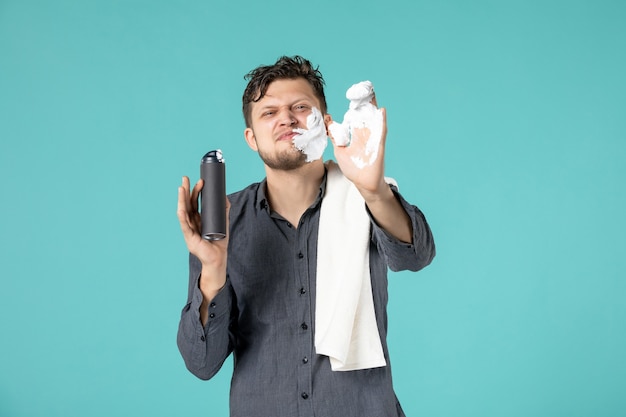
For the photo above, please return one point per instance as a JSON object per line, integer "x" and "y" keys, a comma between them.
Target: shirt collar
{"x": 263, "y": 204}
{"x": 261, "y": 200}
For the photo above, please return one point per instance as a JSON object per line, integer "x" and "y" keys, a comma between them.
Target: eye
{"x": 302, "y": 107}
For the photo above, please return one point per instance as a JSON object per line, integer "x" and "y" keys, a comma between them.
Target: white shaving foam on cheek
{"x": 360, "y": 115}
{"x": 313, "y": 140}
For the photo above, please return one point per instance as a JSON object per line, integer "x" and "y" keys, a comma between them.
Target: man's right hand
{"x": 212, "y": 254}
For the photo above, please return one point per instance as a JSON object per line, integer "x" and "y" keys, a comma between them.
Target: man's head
{"x": 289, "y": 68}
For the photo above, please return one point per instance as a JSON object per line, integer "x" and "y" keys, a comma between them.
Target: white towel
{"x": 345, "y": 322}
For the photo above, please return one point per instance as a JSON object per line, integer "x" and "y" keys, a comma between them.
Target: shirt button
{"x": 304, "y": 395}
{"x": 202, "y": 338}
{"x": 289, "y": 225}
{"x": 305, "y": 360}
{"x": 300, "y": 255}
{"x": 212, "y": 305}
{"x": 212, "y": 315}
{"x": 302, "y": 291}
{"x": 304, "y": 326}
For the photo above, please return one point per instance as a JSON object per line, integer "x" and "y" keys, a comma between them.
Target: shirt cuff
{"x": 218, "y": 307}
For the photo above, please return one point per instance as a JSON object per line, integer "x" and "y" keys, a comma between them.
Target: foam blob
{"x": 313, "y": 140}
{"x": 361, "y": 114}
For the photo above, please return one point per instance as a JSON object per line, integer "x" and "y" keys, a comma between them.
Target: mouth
{"x": 287, "y": 136}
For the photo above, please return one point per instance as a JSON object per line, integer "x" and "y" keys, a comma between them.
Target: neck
{"x": 290, "y": 193}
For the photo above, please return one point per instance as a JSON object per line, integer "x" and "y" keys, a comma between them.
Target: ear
{"x": 248, "y": 133}
{"x": 328, "y": 119}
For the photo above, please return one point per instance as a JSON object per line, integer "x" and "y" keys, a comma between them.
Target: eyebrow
{"x": 273, "y": 106}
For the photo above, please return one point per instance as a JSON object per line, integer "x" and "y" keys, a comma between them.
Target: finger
{"x": 185, "y": 183}
{"x": 384, "y": 132}
{"x": 190, "y": 230}
{"x": 330, "y": 136}
{"x": 183, "y": 199}
{"x": 195, "y": 193}
{"x": 182, "y": 213}
{"x": 185, "y": 187}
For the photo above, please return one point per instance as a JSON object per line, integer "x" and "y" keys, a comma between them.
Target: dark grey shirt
{"x": 265, "y": 316}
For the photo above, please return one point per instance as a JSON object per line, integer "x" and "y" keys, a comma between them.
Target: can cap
{"x": 212, "y": 157}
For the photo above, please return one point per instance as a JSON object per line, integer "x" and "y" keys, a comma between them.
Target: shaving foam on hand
{"x": 340, "y": 133}
{"x": 361, "y": 114}
{"x": 313, "y": 140}
{"x": 360, "y": 94}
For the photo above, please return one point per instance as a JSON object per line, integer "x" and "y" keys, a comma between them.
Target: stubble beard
{"x": 287, "y": 160}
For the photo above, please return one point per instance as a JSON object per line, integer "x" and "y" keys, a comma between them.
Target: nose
{"x": 287, "y": 117}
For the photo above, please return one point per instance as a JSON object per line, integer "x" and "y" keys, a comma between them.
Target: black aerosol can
{"x": 213, "y": 196}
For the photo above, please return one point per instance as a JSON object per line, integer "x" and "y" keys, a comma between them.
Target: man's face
{"x": 285, "y": 106}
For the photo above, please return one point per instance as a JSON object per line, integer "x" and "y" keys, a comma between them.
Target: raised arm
{"x": 211, "y": 254}
{"x": 365, "y": 167}
{"x": 204, "y": 332}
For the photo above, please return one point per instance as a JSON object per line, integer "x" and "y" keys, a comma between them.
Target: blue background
{"x": 507, "y": 128}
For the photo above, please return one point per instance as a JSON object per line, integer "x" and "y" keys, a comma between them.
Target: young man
{"x": 254, "y": 293}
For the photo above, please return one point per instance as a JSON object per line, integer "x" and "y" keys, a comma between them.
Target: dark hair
{"x": 285, "y": 67}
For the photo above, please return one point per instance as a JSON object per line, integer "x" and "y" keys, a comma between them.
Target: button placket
{"x": 212, "y": 307}
{"x": 305, "y": 343}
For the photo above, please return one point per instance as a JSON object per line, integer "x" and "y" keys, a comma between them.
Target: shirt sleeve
{"x": 204, "y": 349}
{"x": 399, "y": 255}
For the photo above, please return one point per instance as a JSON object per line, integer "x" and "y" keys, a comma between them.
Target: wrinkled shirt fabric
{"x": 265, "y": 313}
